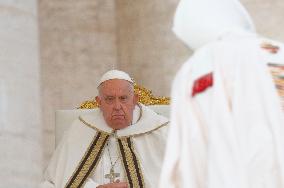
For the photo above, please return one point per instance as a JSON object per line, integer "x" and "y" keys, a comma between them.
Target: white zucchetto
{"x": 115, "y": 74}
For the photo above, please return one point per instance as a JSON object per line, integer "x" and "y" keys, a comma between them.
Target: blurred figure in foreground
{"x": 227, "y": 123}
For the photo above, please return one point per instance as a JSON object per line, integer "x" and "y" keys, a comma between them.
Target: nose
{"x": 117, "y": 105}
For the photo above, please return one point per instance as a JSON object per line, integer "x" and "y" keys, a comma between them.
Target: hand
{"x": 116, "y": 184}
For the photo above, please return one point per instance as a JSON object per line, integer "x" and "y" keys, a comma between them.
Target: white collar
{"x": 149, "y": 121}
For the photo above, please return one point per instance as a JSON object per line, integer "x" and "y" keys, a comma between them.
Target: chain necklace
{"x": 112, "y": 175}
{"x": 111, "y": 163}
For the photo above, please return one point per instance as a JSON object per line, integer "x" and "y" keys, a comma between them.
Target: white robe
{"x": 232, "y": 134}
{"x": 148, "y": 137}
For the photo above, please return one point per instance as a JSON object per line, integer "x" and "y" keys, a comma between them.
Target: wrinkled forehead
{"x": 115, "y": 86}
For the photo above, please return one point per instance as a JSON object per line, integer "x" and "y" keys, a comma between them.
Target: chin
{"x": 119, "y": 125}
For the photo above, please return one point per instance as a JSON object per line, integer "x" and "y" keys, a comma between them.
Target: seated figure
{"x": 120, "y": 145}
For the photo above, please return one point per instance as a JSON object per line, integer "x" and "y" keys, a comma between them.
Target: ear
{"x": 135, "y": 98}
{"x": 98, "y": 100}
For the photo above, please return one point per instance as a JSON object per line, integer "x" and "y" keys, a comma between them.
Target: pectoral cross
{"x": 112, "y": 175}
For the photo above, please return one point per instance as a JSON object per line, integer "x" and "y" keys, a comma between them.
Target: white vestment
{"x": 146, "y": 137}
{"x": 229, "y": 133}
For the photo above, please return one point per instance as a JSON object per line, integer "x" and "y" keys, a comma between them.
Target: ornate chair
{"x": 64, "y": 118}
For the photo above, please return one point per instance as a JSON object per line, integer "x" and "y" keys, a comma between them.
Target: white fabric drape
{"x": 231, "y": 135}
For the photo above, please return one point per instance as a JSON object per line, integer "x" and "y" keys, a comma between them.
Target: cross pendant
{"x": 112, "y": 175}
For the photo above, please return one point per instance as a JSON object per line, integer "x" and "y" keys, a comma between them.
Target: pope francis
{"x": 119, "y": 145}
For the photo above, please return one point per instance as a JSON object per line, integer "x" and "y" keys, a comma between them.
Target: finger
{"x": 124, "y": 185}
{"x": 121, "y": 185}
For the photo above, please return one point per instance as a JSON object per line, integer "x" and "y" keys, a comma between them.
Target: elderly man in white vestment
{"x": 121, "y": 145}
{"x": 227, "y": 128}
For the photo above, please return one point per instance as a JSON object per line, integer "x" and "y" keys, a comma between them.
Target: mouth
{"x": 117, "y": 117}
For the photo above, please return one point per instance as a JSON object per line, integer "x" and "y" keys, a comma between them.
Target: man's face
{"x": 117, "y": 102}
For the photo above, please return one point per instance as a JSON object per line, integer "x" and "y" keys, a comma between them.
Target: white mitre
{"x": 199, "y": 22}
{"x": 115, "y": 74}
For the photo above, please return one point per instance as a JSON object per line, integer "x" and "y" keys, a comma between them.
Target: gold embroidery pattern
{"x": 277, "y": 72}
{"x": 88, "y": 162}
{"x": 122, "y": 158}
{"x": 145, "y": 97}
{"x": 131, "y": 164}
{"x": 137, "y": 162}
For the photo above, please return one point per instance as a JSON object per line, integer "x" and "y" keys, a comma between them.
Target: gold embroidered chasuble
{"x": 140, "y": 146}
{"x": 92, "y": 156}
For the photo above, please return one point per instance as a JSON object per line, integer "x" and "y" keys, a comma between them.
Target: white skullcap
{"x": 115, "y": 74}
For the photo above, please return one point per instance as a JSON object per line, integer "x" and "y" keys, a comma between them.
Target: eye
{"x": 109, "y": 99}
{"x": 123, "y": 98}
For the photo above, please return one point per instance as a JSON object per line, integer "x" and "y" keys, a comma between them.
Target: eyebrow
{"x": 109, "y": 96}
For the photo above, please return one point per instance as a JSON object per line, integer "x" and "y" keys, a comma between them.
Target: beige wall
{"x": 79, "y": 40}
{"x": 268, "y": 17}
{"x": 147, "y": 48}
{"x": 77, "y": 44}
